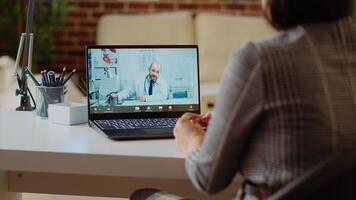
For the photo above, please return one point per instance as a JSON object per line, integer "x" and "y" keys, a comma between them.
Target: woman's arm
{"x": 239, "y": 104}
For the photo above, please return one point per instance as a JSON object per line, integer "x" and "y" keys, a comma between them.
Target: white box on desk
{"x": 68, "y": 113}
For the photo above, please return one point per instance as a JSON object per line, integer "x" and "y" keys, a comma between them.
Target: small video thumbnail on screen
{"x": 134, "y": 77}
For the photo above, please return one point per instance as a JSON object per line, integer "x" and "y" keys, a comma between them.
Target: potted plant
{"x": 48, "y": 14}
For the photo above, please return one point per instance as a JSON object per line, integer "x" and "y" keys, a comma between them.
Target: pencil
{"x": 62, "y": 76}
{"x": 69, "y": 76}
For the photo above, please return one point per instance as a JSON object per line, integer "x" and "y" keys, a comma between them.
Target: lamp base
{"x": 25, "y": 104}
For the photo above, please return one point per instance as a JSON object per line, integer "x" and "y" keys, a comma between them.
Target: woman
{"x": 285, "y": 104}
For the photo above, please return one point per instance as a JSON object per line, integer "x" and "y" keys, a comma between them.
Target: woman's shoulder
{"x": 282, "y": 38}
{"x": 283, "y": 41}
{"x": 253, "y": 53}
{"x": 290, "y": 37}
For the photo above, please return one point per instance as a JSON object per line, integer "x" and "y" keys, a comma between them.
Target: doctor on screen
{"x": 151, "y": 87}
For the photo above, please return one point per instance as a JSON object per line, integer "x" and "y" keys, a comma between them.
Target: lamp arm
{"x": 19, "y": 51}
{"x": 26, "y": 40}
{"x": 27, "y": 54}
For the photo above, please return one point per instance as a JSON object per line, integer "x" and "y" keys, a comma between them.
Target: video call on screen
{"x": 143, "y": 80}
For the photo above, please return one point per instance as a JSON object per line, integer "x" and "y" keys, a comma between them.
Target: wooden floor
{"x": 29, "y": 196}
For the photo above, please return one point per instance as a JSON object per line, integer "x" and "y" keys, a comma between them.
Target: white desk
{"x": 41, "y": 157}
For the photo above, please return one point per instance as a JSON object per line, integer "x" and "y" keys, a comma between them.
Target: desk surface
{"x": 28, "y": 143}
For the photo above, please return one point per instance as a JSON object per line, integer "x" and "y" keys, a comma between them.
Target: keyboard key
{"x": 137, "y": 123}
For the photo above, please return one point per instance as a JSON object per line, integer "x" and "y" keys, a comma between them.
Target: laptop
{"x": 140, "y": 91}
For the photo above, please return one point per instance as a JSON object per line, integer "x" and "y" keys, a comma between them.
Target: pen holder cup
{"x": 46, "y": 96}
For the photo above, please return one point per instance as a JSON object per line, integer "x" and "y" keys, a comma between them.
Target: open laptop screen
{"x": 143, "y": 79}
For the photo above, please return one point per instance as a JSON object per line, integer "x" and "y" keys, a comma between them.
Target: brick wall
{"x": 81, "y": 24}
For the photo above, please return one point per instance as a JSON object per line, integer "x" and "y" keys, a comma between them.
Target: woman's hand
{"x": 189, "y": 132}
{"x": 204, "y": 120}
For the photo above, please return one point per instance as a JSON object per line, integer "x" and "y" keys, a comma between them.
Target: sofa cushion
{"x": 161, "y": 28}
{"x": 218, "y": 35}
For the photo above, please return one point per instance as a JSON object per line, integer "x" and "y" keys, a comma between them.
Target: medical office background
{"x": 178, "y": 68}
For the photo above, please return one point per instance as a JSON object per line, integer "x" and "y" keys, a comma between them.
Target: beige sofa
{"x": 217, "y": 35}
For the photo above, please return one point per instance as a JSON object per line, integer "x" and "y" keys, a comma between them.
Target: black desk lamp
{"x": 26, "y": 44}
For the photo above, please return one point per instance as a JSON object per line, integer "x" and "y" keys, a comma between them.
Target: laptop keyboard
{"x": 137, "y": 123}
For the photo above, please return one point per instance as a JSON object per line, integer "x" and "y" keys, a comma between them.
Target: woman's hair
{"x": 284, "y": 14}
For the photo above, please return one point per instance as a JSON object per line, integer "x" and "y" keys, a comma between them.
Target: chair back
{"x": 332, "y": 179}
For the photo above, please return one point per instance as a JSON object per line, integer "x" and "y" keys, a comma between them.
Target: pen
{"x": 57, "y": 80}
{"x": 68, "y": 77}
{"x": 46, "y": 77}
{"x": 62, "y": 76}
{"x": 44, "y": 83}
{"x": 52, "y": 79}
{"x": 32, "y": 77}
